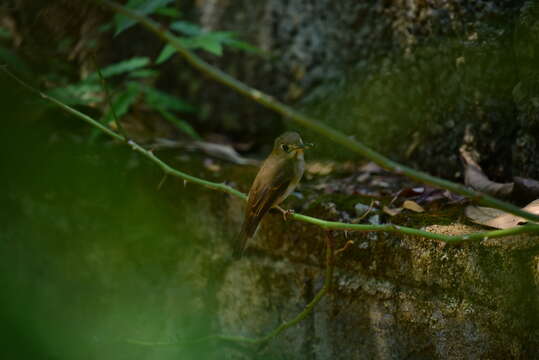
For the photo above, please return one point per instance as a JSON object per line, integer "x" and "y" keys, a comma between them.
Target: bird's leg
{"x": 286, "y": 213}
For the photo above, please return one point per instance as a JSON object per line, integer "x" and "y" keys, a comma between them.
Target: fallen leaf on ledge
{"x": 497, "y": 218}
{"x": 391, "y": 211}
{"x": 412, "y": 205}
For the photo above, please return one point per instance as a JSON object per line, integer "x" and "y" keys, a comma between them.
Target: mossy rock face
{"x": 394, "y": 296}
{"x": 405, "y": 77}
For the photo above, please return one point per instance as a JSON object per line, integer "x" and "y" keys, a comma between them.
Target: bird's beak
{"x": 303, "y": 146}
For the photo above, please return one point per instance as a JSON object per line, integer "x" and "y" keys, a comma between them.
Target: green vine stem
{"x": 325, "y": 224}
{"x": 311, "y": 123}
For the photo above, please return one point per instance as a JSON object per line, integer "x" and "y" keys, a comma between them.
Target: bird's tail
{"x": 240, "y": 243}
{"x": 247, "y": 232}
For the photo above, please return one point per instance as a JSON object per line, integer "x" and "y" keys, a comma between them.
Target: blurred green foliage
{"x": 8, "y": 57}
{"x": 131, "y": 82}
{"x": 92, "y": 253}
{"x": 144, "y": 7}
{"x": 211, "y": 42}
{"x": 126, "y": 93}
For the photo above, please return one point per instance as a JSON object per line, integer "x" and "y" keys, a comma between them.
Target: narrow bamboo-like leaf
{"x": 207, "y": 41}
{"x": 144, "y": 7}
{"x": 186, "y": 28}
{"x": 165, "y": 54}
{"x": 77, "y": 94}
{"x": 243, "y": 46}
{"x": 168, "y": 11}
{"x": 143, "y": 73}
{"x": 211, "y": 42}
{"x": 161, "y": 100}
{"x": 211, "y": 45}
{"x": 180, "y": 124}
{"x": 121, "y": 67}
{"x": 121, "y": 22}
{"x": 121, "y": 104}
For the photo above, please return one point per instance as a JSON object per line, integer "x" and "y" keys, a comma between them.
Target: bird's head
{"x": 290, "y": 145}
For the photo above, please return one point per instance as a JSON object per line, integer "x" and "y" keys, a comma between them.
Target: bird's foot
{"x": 286, "y": 213}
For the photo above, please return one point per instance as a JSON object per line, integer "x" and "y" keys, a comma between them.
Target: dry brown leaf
{"x": 412, "y": 205}
{"x": 391, "y": 211}
{"x": 497, "y": 218}
{"x": 481, "y": 214}
{"x": 477, "y": 180}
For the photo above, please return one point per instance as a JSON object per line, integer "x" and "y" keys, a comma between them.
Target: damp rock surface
{"x": 394, "y": 296}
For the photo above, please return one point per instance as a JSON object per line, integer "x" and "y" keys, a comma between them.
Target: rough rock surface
{"x": 394, "y": 297}
{"x": 406, "y": 77}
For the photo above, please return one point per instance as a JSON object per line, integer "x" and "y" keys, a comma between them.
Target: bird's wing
{"x": 262, "y": 197}
{"x": 265, "y": 194}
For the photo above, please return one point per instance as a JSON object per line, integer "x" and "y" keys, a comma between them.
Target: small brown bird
{"x": 276, "y": 179}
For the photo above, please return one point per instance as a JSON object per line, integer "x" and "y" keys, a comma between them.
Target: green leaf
{"x": 77, "y": 94}
{"x": 211, "y": 42}
{"x": 161, "y": 100}
{"x": 243, "y": 46}
{"x": 186, "y": 28}
{"x": 121, "y": 104}
{"x": 165, "y": 54}
{"x": 182, "y": 125}
{"x": 167, "y": 11}
{"x": 120, "y": 68}
{"x": 143, "y": 73}
{"x": 143, "y": 7}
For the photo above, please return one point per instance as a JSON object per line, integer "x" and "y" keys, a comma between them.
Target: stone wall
{"x": 405, "y": 77}
{"x": 394, "y": 297}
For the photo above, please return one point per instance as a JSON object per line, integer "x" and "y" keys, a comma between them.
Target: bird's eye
{"x": 285, "y": 148}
